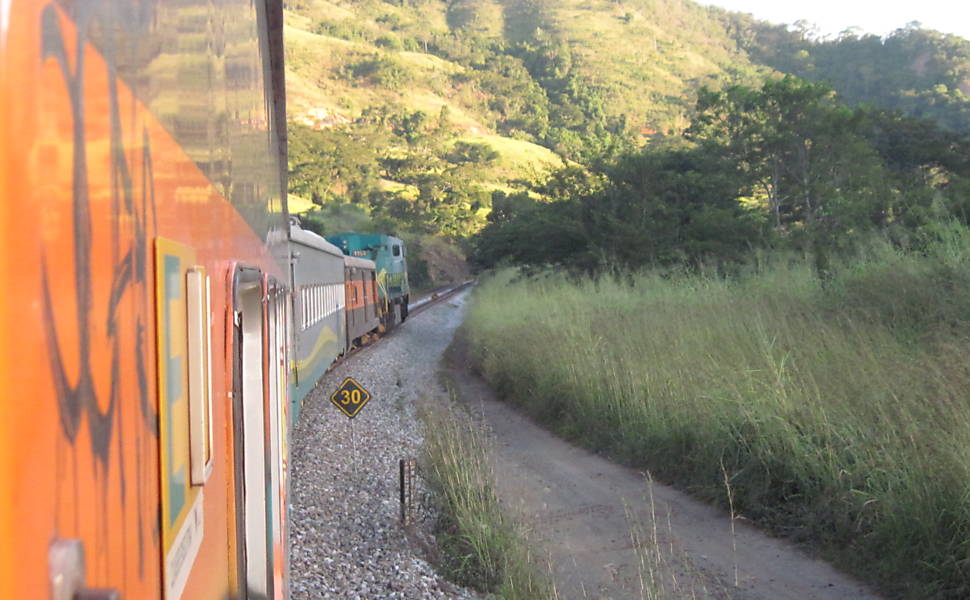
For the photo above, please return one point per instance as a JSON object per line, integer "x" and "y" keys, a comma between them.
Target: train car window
{"x": 316, "y": 304}
{"x": 303, "y": 307}
{"x": 397, "y": 250}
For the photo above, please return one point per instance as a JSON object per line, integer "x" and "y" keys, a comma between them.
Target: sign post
{"x": 350, "y": 397}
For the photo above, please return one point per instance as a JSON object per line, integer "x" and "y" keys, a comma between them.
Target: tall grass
{"x": 840, "y": 413}
{"x": 481, "y": 546}
{"x": 665, "y": 573}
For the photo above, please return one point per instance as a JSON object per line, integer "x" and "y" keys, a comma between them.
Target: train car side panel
{"x": 361, "y": 298}
{"x": 318, "y": 276}
{"x": 103, "y": 153}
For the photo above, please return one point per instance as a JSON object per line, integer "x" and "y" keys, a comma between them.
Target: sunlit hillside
{"x": 646, "y": 57}
{"x": 425, "y": 103}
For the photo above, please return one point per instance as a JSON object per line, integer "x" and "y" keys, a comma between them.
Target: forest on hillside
{"x": 782, "y": 165}
{"x": 782, "y": 140}
{"x": 920, "y": 72}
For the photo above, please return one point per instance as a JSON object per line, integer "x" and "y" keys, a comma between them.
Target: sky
{"x": 881, "y": 18}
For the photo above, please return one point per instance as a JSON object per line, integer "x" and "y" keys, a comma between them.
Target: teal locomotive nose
{"x": 390, "y": 257}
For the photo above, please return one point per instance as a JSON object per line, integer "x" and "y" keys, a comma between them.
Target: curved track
{"x": 436, "y": 296}
{"x": 428, "y": 300}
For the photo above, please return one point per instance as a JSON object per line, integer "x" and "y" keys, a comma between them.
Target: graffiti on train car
{"x": 106, "y": 325}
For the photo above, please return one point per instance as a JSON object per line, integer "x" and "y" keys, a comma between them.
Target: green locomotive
{"x": 389, "y": 255}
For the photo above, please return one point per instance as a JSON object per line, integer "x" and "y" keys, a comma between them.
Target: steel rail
{"x": 431, "y": 299}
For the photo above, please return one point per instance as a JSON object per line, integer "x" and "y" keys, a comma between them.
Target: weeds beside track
{"x": 481, "y": 546}
{"x": 837, "y": 414}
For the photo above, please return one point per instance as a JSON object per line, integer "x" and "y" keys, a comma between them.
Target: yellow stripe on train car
{"x": 326, "y": 336}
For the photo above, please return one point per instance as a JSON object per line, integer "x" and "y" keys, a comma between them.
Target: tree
{"x": 524, "y": 231}
{"x": 915, "y": 70}
{"x": 330, "y": 164}
{"x": 670, "y": 206}
{"x": 652, "y": 207}
{"x": 800, "y": 149}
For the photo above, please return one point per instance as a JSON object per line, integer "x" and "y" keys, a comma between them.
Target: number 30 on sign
{"x": 350, "y": 397}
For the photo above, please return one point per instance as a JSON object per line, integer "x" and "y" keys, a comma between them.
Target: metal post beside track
{"x": 407, "y": 467}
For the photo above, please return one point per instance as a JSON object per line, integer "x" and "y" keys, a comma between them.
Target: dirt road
{"x": 580, "y": 509}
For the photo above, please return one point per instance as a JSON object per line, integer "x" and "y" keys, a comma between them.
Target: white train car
{"x": 319, "y": 303}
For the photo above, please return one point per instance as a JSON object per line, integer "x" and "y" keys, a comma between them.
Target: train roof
{"x": 362, "y": 263}
{"x": 308, "y": 238}
{"x": 357, "y": 241}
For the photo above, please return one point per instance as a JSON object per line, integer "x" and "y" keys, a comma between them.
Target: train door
{"x": 371, "y": 286}
{"x": 350, "y": 303}
{"x": 278, "y": 425}
{"x": 250, "y": 448}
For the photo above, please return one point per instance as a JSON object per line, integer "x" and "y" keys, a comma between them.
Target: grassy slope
{"x": 482, "y": 546}
{"x": 646, "y": 56}
{"x": 317, "y": 78}
{"x": 298, "y": 204}
{"x": 650, "y": 56}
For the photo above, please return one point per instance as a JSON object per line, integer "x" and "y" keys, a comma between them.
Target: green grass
{"x": 482, "y": 547}
{"x": 650, "y": 67}
{"x": 297, "y": 204}
{"x": 519, "y": 157}
{"x": 841, "y": 414}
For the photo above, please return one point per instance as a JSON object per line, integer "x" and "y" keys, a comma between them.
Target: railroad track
{"x": 437, "y": 296}
{"x": 427, "y": 301}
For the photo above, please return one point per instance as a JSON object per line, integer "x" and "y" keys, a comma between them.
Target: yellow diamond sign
{"x": 350, "y": 397}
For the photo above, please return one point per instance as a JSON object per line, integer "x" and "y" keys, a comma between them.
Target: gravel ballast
{"x": 346, "y": 539}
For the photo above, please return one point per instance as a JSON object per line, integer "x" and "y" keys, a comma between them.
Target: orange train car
{"x": 143, "y": 321}
{"x": 362, "y": 304}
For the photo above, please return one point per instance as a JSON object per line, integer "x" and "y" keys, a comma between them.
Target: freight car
{"x": 388, "y": 253}
{"x": 143, "y": 326}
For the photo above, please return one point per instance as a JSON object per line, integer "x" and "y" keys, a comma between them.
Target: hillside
{"x": 421, "y": 111}
{"x": 645, "y": 59}
{"x": 920, "y": 72}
